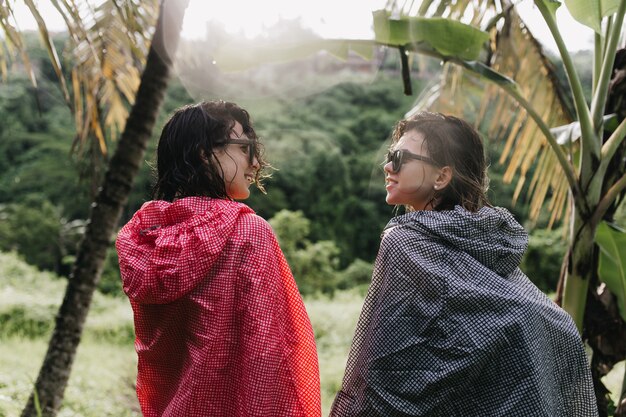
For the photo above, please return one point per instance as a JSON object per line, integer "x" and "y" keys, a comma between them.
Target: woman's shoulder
{"x": 254, "y": 222}
{"x": 252, "y": 225}
{"x": 415, "y": 253}
{"x": 405, "y": 238}
{"x": 245, "y": 223}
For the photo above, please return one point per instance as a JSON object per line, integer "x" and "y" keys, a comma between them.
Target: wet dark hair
{"x": 452, "y": 142}
{"x": 189, "y": 138}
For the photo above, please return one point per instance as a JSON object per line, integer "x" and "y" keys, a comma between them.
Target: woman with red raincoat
{"x": 221, "y": 329}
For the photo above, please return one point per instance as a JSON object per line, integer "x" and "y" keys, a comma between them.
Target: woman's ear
{"x": 444, "y": 178}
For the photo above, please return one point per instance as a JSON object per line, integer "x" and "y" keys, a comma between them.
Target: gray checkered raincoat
{"x": 452, "y": 327}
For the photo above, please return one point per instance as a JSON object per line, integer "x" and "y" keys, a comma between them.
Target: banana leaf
{"x": 591, "y": 12}
{"x": 612, "y": 268}
{"x": 446, "y": 36}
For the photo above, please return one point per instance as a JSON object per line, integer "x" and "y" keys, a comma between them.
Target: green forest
{"x": 325, "y": 196}
{"x": 325, "y": 200}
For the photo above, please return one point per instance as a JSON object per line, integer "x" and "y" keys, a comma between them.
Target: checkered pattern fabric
{"x": 452, "y": 327}
{"x": 221, "y": 329}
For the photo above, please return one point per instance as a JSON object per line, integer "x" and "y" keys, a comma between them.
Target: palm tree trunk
{"x": 105, "y": 213}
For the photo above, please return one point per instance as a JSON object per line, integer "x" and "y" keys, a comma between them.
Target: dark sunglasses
{"x": 251, "y": 147}
{"x": 400, "y": 156}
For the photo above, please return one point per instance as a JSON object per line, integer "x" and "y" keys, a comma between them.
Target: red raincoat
{"x": 220, "y": 327}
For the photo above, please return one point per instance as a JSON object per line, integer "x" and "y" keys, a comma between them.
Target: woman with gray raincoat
{"x": 450, "y": 325}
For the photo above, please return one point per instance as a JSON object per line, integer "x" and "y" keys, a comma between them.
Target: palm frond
{"x": 107, "y": 48}
{"x": 46, "y": 39}
{"x": 13, "y": 40}
{"x": 109, "y": 52}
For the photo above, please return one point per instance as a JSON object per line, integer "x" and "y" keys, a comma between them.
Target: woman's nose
{"x": 255, "y": 163}
{"x": 387, "y": 167}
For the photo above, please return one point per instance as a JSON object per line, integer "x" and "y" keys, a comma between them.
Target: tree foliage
{"x": 327, "y": 149}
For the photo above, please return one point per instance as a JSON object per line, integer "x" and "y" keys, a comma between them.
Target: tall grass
{"x": 102, "y": 379}
{"x": 101, "y": 383}
{"x": 334, "y": 320}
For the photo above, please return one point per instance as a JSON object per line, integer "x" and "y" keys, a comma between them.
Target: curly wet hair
{"x": 189, "y": 138}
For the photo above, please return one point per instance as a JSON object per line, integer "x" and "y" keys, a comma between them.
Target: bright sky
{"x": 329, "y": 18}
{"x": 349, "y": 19}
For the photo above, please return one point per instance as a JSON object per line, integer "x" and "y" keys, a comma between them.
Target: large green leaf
{"x": 591, "y": 12}
{"x": 446, "y": 36}
{"x": 552, "y": 5}
{"x": 612, "y": 269}
{"x": 476, "y": 67}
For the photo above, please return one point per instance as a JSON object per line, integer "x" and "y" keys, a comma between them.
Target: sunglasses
{"x": 400, "y": 156}
{"x": 251, "y": 147}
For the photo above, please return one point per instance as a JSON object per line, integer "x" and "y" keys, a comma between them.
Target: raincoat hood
{"x": 491, "y": 235}
{"x": 166, "y": 249}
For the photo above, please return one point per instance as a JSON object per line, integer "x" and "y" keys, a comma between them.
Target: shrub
{"x": 358, "y": 273}
{"x": 543, "y": 258}
{"x": 29, "y": 300}
{"x": 314, "y": 265}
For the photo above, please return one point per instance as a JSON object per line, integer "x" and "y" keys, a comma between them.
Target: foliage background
{"x": 325, "y": 201}
{"x": 327, "y": 147}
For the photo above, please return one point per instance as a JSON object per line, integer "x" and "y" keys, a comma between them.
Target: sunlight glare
{"x": 327, "y": 18}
